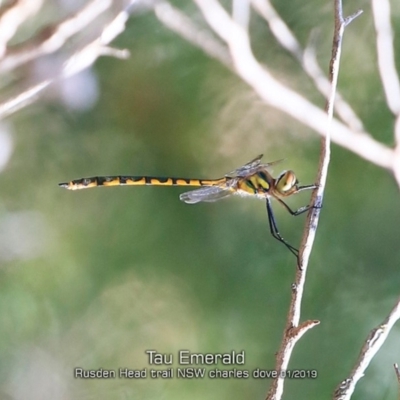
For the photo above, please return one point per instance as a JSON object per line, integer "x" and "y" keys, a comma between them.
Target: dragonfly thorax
{"x": 286, "y": 183}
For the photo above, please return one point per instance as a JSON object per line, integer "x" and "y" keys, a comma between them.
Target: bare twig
{"x": 313, "y": 216}
{"x": 283, "y": 356}
{"x": 280, "y": 96}
{"x": 372, "y": 344}
{"x": 291, "y": 335}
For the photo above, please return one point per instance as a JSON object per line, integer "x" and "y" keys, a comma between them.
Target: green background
{"x": 115, "y": 272}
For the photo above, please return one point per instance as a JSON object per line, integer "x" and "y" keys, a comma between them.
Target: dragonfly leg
{"x": 274, "y": 229}
{"x": 306, "y": 187}
{"x": 301, "y": 210}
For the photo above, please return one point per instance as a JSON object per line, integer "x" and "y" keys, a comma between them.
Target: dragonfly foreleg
{"x": 301, "y": 210}
{"x": 306, "y": 187}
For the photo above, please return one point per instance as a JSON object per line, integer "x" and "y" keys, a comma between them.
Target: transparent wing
{"x": 207, "y": 193}
{"x": 251, "y": 167}
{"x": 246, "y": 169}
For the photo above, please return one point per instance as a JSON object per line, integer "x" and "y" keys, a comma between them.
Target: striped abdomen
{"x": 85, "y": 183}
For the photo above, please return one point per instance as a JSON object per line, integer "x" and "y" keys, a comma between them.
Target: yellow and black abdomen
{"x": 85, "y": 183}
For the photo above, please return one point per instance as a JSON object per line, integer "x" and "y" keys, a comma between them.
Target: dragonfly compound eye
{"x": 286, "y": 182}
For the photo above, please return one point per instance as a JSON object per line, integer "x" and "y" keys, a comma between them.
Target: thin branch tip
{"x": 352, "y": 17}
{"x": 397, "y": 370}
{"x": 305, "y": 326}
{"x": 309, "y": 324}
{"x": 121, "y": 54}
{"x": 372, "y": 344}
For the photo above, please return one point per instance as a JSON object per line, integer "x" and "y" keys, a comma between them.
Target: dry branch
{"x": 293, "y": 319}
{"x": 373, "y": 343}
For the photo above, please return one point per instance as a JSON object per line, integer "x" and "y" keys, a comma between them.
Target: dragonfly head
{"x": 286, "y": 183}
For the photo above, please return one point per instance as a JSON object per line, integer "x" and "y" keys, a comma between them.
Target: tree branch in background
{"x": 387, "y": 70}
{"x": 22, "y": 100}
{"x": 372, "y": 344}
{"x": 181, "y": 24}
{"x": 80, "y": 59}
{"x": 52, "y": 38}
{"x": 385, "y": 51}
{"x": 274, "y": 93}
{"x": 307, "y": 60}
{"x": 12, "y": 16}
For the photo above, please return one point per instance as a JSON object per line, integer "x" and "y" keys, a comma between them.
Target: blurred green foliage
{"x": 125, "y": 270}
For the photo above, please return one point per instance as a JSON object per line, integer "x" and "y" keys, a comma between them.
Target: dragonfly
{"x": 252, "y": 179}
